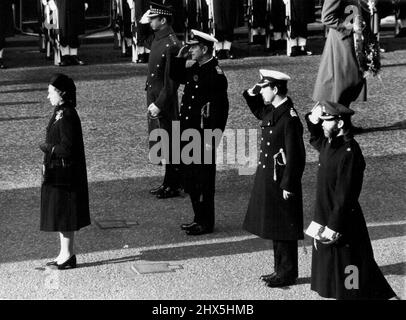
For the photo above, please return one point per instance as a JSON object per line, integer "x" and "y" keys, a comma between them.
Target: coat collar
{"x": 278, "y": 112}
{"x": 212, "y": 63}
{"x": 163, "y": 33}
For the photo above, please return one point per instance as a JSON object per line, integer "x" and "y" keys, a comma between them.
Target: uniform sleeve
{"x": 219, "y": 104}
{"x": 64, "y": 148}
{"x": 295, "y": 155}
{"x": 255, "y": 103}
{"x": 170, "y": 87}
{"x": 330, "y": 16}
{"x": 178, "y": 71}
{"x": 316, "y": 133}
{"x": 344, "y": 193}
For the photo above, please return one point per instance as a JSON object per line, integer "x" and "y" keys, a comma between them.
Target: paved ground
{"x": 224, "y": 265}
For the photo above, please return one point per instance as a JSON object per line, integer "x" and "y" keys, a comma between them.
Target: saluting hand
{"x": 316, "y": 113}
{"x": 183, "y": 52}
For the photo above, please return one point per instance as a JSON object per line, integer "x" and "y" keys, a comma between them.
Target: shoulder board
{"x": 219, "y": 71}
{"x": 293, "y": 112}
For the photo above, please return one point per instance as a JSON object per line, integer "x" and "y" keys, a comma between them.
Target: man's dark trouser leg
{"x": 172, "y": 176}
{"x": 206, "y": 215}
{"x": 286, "y": 258}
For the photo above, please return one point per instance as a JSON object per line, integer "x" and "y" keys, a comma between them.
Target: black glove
{"x": 45, "y": 147}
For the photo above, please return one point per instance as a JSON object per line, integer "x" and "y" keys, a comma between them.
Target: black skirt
{"x": 64, "y": 208}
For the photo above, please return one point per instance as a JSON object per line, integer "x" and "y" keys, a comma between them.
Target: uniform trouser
{"x": 286, "y": 258}
{"x": 71, "y": 41}
{"x": 203, "y": 197}
{"x": 172, "y": 176}
{"x": 225, "y": 15}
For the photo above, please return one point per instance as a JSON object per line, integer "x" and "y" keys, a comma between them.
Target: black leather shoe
{"x": 168, "y": 192}
{"x": 68, "y": 264}
{"x": 268, "y": 277}
{"x": 76, "y": 61}
{"x": 157, "y": 189}
{"x": 187, "y": 226}
{"x": 278, "y": 282}
{"x": 198, "y": 230}
{"x": 295, "y": 51}
{"x": 65, "y": 61}
{"x": 304, "y": 51}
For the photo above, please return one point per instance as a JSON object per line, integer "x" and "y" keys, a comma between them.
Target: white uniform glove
{"x": 131, "y": 4}
{"x": 52, "y": 5}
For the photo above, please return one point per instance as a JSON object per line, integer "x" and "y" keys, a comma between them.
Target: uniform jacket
{"x": 161, "y": 89}
{"x": 71, "y": 15}
{"x": 205, "y": 87}
{"x": 339, "y": 78}
{"x": 339, "y": 183}
{"x": 66, "y": 208}
{"x": 6, "y": 19}
{"x": 269, "y": 215}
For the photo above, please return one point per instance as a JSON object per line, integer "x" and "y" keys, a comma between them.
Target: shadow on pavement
{"x": 401, "y": 125}
{"x": 382, "y": 201}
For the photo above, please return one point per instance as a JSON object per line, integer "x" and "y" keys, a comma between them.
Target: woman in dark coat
{"x": 64, "y": 192}
{"x": 6, "y": 25}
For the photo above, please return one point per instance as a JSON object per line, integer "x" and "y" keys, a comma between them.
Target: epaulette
{"x": 219, "y": 71}
{"x": 293, "y": 112}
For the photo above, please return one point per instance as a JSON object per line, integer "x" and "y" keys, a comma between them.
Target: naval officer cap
{"x": 273, "y": 76}
{"x": 197, "y": 37}
{"x": 333, "y": 110}
{"x": 156, "y": 10}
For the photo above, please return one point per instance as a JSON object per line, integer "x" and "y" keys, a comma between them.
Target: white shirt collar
{"x": 280, "y": 103}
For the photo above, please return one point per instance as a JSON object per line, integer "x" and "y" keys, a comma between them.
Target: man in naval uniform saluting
{"x": 275, "y": 209}
{"x": 204, "y": 108}
{"x": 162, "y": 91}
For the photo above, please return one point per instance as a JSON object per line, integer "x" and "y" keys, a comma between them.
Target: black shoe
{"x": 68, "y": 264}
{"x": 198, "y": 230}
{"x": 268, "y": 277}
{"x": 2, "y": 66}
{"x": 304, "y": 51}
{"x": 168, "y": 192}
{"x": 187, "y": 226}
{"x": 295, "y": 51}
{"x": 65, "y": 61}
{"x": 229, "y": 55}
{"x": 76, "y": 61}
{"x": 278, "y": 282}
{"x": 156, "y": 190}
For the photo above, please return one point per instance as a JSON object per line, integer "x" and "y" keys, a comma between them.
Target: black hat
{"x": 66, "y": 85}
{"x": 157, "y": 9}
{"x": 201, "y": 37}
{"x": 333, "y": 110}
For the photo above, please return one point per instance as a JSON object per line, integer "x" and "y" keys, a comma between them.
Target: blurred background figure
{"x": 71, "y": 23}
{"x": 6, "y": 26}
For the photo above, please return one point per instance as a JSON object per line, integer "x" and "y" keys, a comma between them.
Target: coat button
{"x": 262, "y": 139}
{"x": 268, "y": 143}
{"x": 269, "y": 123}
{"x": 190, "y": 108}
{"x": 266, "y": 154}
{"x": 263, "y": 166}
{"x": 193, "y": 97}
{"x": 180, "y": 114}
{"x": 260, "y": 151}
{"x": 163, "y": 55}
{"x": 152, "y": 74}
{"x": 157, "y": 65}
{"x": 270, "y": 132}
{"x": 197, "y": 86}
{"x": 187, "y": 118}
{"x": 167, "y": 44}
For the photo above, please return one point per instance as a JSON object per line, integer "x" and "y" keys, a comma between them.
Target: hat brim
{"x": 329, "y": 117}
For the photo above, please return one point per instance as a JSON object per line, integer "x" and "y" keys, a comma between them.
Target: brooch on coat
{"x": 59, "y": 115}
{"x": 276, "y": 162}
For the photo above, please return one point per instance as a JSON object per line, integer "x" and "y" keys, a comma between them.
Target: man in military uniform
{"x": 343, "y": 239}
{"x": 162, "y": 97}
{"x": 6, "y": 26}
{"x": 204, "y": 108}
{"x": 275, "y": 209}
{"x": 71, "y": 22}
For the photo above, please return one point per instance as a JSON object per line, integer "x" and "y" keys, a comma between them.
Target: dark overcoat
{"x": 161, "y": 89}
{"x": 339, "y": 183}
{"x": 203, "y": 84}
{"x": 269, "y": 216}
{"x": 65, "y": 208}
{"x": 71, "y": 17}
{"x": 6, "y": 19}
{"x": 339, "y": 78}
